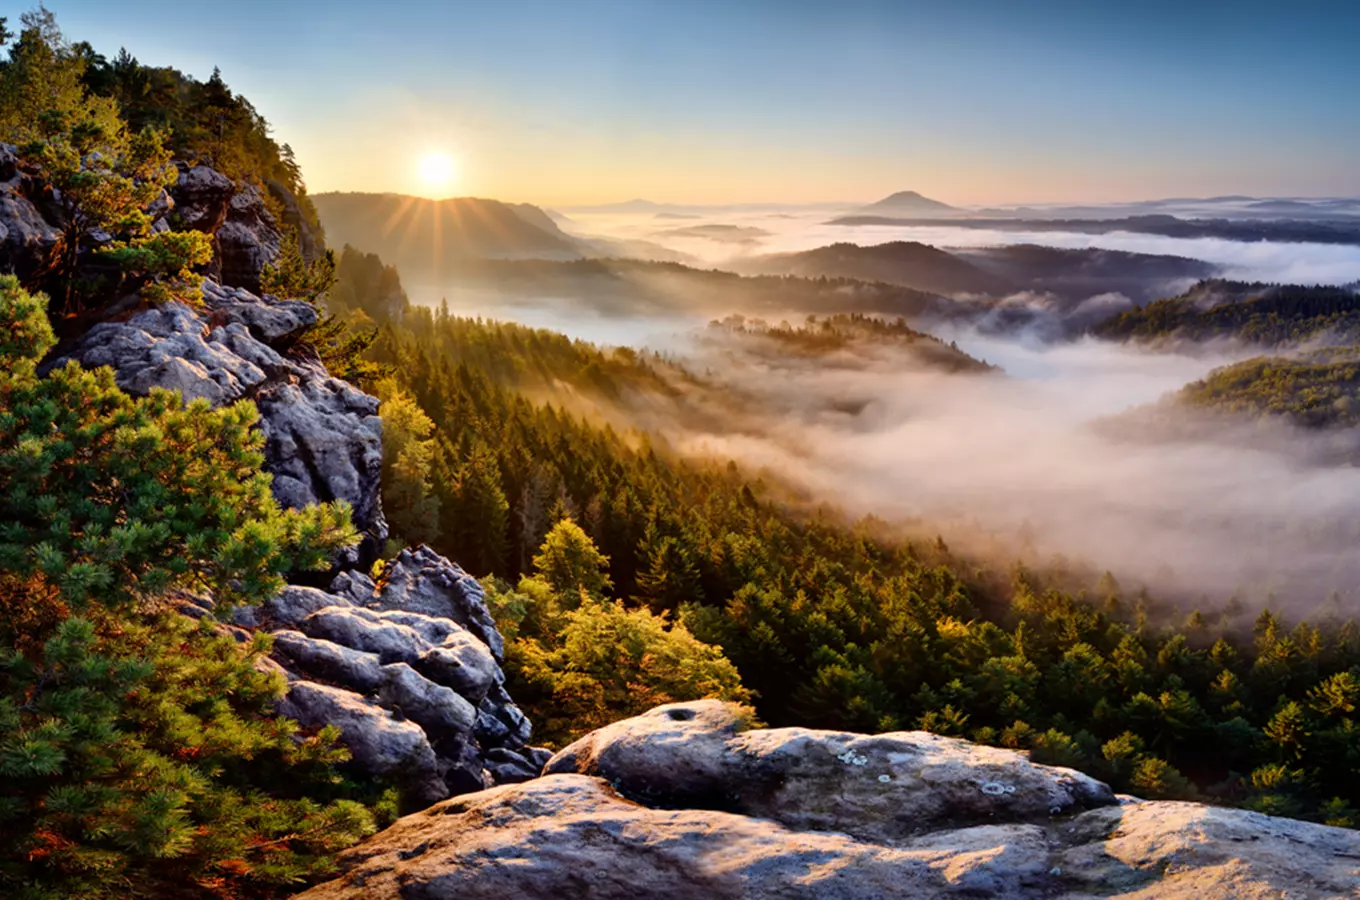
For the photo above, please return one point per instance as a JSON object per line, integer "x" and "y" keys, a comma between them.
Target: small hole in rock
{"x": 680, "y": 715}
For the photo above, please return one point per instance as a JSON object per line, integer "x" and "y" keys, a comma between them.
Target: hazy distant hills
{"x": 907, "y": 203}
{"x": 723, "y": 234}
{"x": 1076, "y": 274}
{"x": 417, "y": 234}
{"x": 908, "y": 263}
{"x": 1070, "y": 275}
{"x": 1331, "y": 231}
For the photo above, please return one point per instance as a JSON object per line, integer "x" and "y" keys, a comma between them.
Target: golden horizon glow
{"x": 437, "y": 173}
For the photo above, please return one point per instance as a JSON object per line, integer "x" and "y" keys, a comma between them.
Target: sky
{"x": 571, "y": 102}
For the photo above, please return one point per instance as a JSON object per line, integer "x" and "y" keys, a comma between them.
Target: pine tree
{"x": 570, "y": 563}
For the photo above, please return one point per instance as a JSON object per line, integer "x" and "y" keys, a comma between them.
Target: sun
{"x": 438, "y": 172}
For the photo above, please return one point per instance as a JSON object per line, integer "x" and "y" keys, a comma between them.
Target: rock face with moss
{"x": 686, "y": 801}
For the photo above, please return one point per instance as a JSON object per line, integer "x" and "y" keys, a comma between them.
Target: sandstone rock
{"x": 248, "y": 240}
{"x": 511, "y": 767}
{"x": 569, "y": 836}
{"x": 500, "y": 723}
{"x": 1170, "y": 849}
{"x": 269, "y": 321}
{"x": 331, "y": 662}
{"x": 201, "y": 197}
{"x": 575, "y": 836}
{"x": 323, "y": 441}
{"x": 366, "y": 630}
{"x": 378, "y": 741}
{"x": 28, "y": 242}
{"x": 875, "y": 787}
{"x": 294, "y": 603}
{"x": 429, "y": 670}
{"x": 170, "y": 347}
{"x": 422, "y": 581}
{"x": 464, "y": 664}
{"x": 435, "y": 708}
{"x": 355, "y": 586}
{"x": 245, "y": 234}
{"x": 323, "y": 437}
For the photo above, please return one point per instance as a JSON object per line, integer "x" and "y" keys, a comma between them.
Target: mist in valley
{"x": 1021, "y": 463}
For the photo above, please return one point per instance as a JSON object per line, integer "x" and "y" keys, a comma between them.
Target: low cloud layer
{"x": 1022, "y": 459}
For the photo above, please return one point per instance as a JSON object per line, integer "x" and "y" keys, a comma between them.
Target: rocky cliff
{"x": 408, "y": 667}
{"x": 686, "y": 802}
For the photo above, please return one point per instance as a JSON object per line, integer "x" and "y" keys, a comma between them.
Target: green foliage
{"x": 578, "y": 660}
{"x": 407, "y": 454}
{"x": 116, "y": 498}
{"x": 292, "y": 275}
{"x": 207, "y": 123}
{"x": 570, "y": 563}
{"x": 139, "y": 758}
{"x": 364, "y": 285}
{"x": 139, "y": 753}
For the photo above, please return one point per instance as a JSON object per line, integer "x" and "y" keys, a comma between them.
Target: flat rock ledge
{"x": 685, "y": 802}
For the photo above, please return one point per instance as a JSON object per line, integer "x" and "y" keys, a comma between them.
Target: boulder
{"x": 366, "y": 630}
{"x": 428, "y": 671}
{"x": 379, "y": 742}
{"x": 875, "y": 787}
{"x": 323, "y": 441}
{"x": 464, "y": 664}
{"x": 272, "y": 321}
{"x": 245, "y": 234}
{"x": 437, "y": 709}
{"x": 646, "y": 822}
{"x": 440, "y": 649}
{"x": 294, "y": 603}
{"x": 510, "y": 766}
{"x": 500, "y": 723}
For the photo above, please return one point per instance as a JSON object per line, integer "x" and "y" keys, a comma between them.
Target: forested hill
{"x": 908, "y": 263}
{"x": 1317, "y": 389}
{"x": 1264, "y": 314}
{"x": 846, "y": 339}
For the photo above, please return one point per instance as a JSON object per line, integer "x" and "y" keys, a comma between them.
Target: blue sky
{"x": 729, "y": 101}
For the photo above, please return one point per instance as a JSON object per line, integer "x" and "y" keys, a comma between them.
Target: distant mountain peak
{"x": 909, "y": 202}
